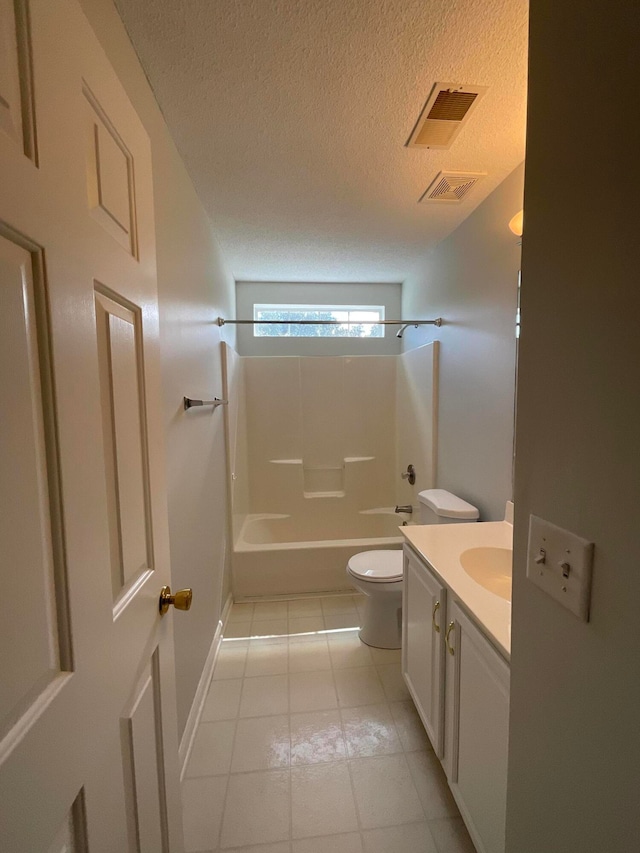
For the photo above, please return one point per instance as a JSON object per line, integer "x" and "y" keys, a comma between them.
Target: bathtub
{"x": 277, "y": 554}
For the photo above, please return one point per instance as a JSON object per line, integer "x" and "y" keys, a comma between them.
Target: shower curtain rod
{"x": 404, "y": 324}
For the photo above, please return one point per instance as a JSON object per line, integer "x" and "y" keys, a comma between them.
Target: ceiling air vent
{"x": 452, "y": 186}
{"x": 446, "y": 111}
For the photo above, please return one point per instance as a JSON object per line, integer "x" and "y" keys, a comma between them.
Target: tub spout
{"x": 407, "y": 509}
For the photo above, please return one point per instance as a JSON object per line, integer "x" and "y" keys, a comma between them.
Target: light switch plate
{"x": 560, "y": 563}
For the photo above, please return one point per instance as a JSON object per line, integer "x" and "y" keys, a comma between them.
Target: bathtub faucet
{"x": 408, "y": 509}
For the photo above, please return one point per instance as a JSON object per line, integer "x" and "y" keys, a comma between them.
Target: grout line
{"x": 226, "y": 789}
{"x": 346, "y": 748}
{"x": 290, "y": 746}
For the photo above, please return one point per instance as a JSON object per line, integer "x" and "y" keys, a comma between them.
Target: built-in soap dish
{"x": 323, "y": 482}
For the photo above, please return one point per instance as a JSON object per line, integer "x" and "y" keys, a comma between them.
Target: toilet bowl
{"x": 378, "y": 574}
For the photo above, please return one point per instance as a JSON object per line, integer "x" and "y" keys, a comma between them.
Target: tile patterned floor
{"x": 309, "y": 743}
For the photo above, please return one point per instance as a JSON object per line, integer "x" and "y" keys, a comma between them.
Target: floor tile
{"x": 257, "y": 808}
{"x": 349, "y": 843}
{"x": 223, "y": 700}
{"x": 230, "y": 662}
{"x": 269, "y": 628}
{"x": 203, "y": 801}
{"x": 384, "y": 791}
{"x": 237, "y": 630}
{"x": 261, "y": 743}
{"x": 358, "y": 686}
{"x": 241, "y": 612}
{"x": 347, "y": 619}
{"x": 212, "y": 748}
{"x": 308, "y": 656}
{"x": 264, "y": 695}
{"x": 392, "y": 682}
{"x": 306, "y": 625}
{"x": 305, "y": 607}
{"x": 347, "y": 650}
{"x": 431, "y": 784}
{"x": 370, "y": 730}
{"x": 312, "y": 691}
{"x": 278, "y": 847}
{"x": 267, "y": 659}
{"x": 338, "y": 604}
{"x": 451, "y": 836}
{"x": 410, "y": 838}
{"x": 409, "y": 726}
{"x": 270, "y": 609}
{"x": 381, "y": 656}
{"x": 317, "y": 737}
{"x": 321, "y": 797}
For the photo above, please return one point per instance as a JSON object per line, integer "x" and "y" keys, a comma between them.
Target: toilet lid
{"x": 377, "y": 566}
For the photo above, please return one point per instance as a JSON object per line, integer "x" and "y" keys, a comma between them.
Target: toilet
{"x": 378, "y": 574}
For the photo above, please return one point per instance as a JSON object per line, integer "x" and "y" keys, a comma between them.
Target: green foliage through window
{"x": 350, "y": 321}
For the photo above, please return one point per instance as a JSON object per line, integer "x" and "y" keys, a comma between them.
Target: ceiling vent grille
{"x": 447, "y": 110}
{"x": 452, "y": 187}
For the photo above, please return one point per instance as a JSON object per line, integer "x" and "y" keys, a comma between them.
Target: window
{"x": 352, "y": 321}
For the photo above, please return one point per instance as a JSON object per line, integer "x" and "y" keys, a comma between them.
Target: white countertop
{"x": 441, "y": 545}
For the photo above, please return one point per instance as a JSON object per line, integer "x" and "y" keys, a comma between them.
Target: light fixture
{"x": 515, "y": 223}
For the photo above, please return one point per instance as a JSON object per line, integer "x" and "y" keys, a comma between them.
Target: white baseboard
{"x": 186, "y": 743}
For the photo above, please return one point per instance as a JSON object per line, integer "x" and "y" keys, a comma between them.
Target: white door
{"x": 423, "y": 612}
{"x": 477, "y": 730}
{"x": 88, "y": 742}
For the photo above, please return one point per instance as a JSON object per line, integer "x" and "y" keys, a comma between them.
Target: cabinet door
{"x": 477, "y": 730}
{"x": 424, "y": 606}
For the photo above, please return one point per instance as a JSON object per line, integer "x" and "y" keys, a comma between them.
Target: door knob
{"x": 181, "y": 600}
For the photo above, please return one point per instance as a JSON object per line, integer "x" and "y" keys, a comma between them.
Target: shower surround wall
{"x": 316, "y": 448}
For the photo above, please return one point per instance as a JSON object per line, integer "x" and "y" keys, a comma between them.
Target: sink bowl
{"x": 490, "y": 567}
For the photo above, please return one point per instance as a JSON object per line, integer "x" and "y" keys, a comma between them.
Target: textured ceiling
{"x": 292, "y": 115}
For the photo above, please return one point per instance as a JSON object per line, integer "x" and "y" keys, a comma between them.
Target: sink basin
{"x": 490, "y": 567}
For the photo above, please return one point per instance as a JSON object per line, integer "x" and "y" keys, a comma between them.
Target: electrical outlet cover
{"x": 560, "y": 563}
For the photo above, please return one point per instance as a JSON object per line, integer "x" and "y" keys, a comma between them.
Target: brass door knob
{"x": 181, "y": 600}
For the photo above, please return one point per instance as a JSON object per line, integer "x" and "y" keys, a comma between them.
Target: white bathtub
{"x": 278, "y": 554}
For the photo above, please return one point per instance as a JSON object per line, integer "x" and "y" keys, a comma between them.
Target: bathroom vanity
{"x": 455, "y": 661}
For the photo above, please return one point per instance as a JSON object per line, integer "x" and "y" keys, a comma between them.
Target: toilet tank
{"x": 438, "y": 506}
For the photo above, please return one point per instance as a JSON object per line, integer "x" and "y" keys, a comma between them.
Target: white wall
{"x": 194, "y": 288}
{"x": 574, "y": 768}
{"x": 325, "y": 293}
{"x": 470, "y": 279}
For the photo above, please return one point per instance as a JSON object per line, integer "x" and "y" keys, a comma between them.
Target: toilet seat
{"x": 377, "y": 566}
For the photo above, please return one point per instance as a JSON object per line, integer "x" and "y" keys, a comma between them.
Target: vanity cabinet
{"x": 424, "y": 607}
{"x": 460, "y": 685}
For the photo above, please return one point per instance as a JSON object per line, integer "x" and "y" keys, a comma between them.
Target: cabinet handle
{"x": 436, "y": 627}
{"x": 450, "y": 628}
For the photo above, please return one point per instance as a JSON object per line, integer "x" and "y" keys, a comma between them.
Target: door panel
{"x": 16, "y": 94}
{"x": 424, "y": 610}
{"x": 119, "y": 338}
{"x": 143, "y": 766}
{"x": 36, "y": 620}
{"x": 110, "y": 183}
{"x": 477, "y": 732}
